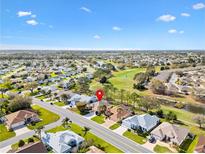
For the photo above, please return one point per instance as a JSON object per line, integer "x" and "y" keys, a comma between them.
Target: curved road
{"x": 121, "y": 142}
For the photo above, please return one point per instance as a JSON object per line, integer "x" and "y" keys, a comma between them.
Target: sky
{"x": 102, "y": 24}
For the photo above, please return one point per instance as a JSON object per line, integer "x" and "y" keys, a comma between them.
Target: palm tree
{"x": 85, "y": 130}
{"x": 122, "y": 91}
{"x": 38, "y": 131}
{"x": 66, "y": 122}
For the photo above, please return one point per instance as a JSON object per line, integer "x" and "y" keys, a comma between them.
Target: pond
{"x": 200, "y": 109}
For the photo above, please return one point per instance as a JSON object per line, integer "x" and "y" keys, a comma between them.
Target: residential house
{"x": 82, "y": 98}
{"x": 170, "y": 133}
{"x": 143, "y": 122}
{"x": 37, "y": 147}
{"x": 200, "y": 147}
{"x": 63, "y": 141}
{"x": 20, "y": 118}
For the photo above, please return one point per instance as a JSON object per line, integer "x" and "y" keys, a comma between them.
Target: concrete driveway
{"x": 21, "y": 130}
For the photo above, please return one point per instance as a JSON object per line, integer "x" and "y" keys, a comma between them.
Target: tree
{"x": 103, "y": 80}
{"x": 141, "y": 79}
{"x": 134, "y": 97}
{"x": 158, "y": 87}
{"x": 171, "y": 116}
{"x": 66, "y": 122}
{"x": 85, "y": 130}
{"x": 122, "y": 97}
{"x": 31, "y": 86}
{"x": 20, "y": 102}
{"x": 64, "y": 98}
{"x": 150, "y": 70}
{"x": 199, "y": 119}
{"x": 148, "y": 103}
{"x": 120, "y": 112}
{"x": 38, "y": 131}
{"x": 81, "y": 106}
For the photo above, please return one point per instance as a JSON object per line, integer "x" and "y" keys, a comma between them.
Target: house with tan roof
{"x": 20, "y": 118}
{"x": 170, "y": 133}
{"x": 200, "y": 147}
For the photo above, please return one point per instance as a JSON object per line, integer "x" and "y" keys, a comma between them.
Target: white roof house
{"x": 62, "y": 142}
{"x": 83, "y": 98}
{"x": 145, "y": 122}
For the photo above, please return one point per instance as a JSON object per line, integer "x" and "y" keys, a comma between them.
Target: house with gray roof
{"x": 63, "y": 141}
{"x": 144, "y": 122}
{"x": 170, "y": 133}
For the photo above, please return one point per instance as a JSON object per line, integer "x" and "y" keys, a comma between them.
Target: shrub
{"x": 30, "y": 140}
{"x": 21, "y": 143}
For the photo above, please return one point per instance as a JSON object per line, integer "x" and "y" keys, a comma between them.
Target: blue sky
{"x": 103, "y": 24}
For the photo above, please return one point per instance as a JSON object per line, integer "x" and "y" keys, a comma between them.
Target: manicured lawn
{"x": 114, "y": 126}
{"x": 181, "y": 114}
{"x": 137, "y": 138}
{"x": 46, "y": 116}
{"x": 99, "y": 119}
{"x": 124, "y": 79}
{"x": 15, "y": 145}
{"x": 5, "y": 134}
{"x": 161, "y": 149}
{"x": 60, "y": 103}
{"x": 41, "y": 97}
{"x": 188, "y": 145}
{"x": 75, "y": 110}
{"x": 94, "y": 85}
{"x": 108, "y": 148}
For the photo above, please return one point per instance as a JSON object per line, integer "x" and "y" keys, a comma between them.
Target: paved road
{"x": 113, "y": 138}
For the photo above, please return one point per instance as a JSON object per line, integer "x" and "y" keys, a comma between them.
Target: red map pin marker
{"x": 99, "y": 94}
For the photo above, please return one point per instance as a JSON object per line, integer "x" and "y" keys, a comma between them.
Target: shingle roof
{"x": 145, "y": 120}
{"x": 173, "y": 131}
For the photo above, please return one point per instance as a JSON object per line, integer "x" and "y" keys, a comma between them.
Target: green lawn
{"x": 46, "y": 116}
{"x": 5, "y": 134}
{"x": 60, "y": 103}
{"x": 94, "y": 85}
{"x": 99, "y": 119}
{"x": 181, "y": 114}
{"x": 188, "y": 145}
{"x": 114, "y": 126}
{"x": 53, "y": 74}
{"x": 75, "y": 110}
{"x": 137, "y": 138}
{"x": 41, "y": 97}
{"x": 124, "y": 79}
{"x": 161, "y": 149}
{"x": 15, "y": 145}
{"x": 108, "y": 148}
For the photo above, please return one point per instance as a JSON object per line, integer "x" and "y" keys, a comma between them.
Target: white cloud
{"x": 198, "y": 6}
{"x": 115, "y": 28}
{"x": 33, "y": 16}
{"x": 97, "y": 37}
{"x": 181, "y": 32}
{"x": 172, "y": 31}
{"x": 32, "y": 22}
{"x": 23, "y": 13}
{"x": 166, "y": 18}
{"x": 85, "y": 9}
{"x": 185, "y": 14}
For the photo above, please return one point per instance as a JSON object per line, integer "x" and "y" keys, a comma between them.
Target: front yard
{"x": 115, "y": 126}
{"x": 59, "y": 103}
{"x": 5, "y": 134}
{"x": 46, "y": 116}
{"x": 99, "y": 119}
{"x": 161, "y": 149}
{"x": 108, "y": 148}
{"x": 141, "y": 139}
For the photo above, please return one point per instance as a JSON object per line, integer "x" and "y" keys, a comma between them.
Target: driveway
{"x": 21, "y": 130}
{"x": 90, "y": 115}
{"x": 120, "y": 130}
